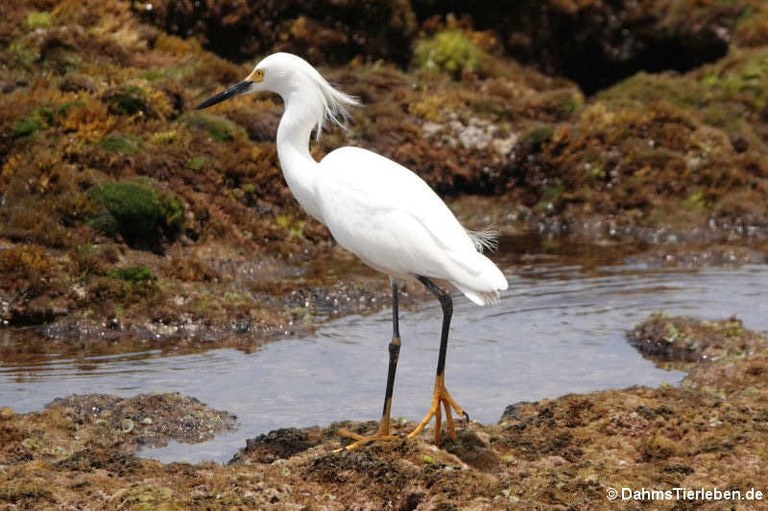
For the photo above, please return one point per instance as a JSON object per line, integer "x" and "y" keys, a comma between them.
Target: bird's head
{"x": 290, "y": 76}
{"x": 273, "y": 74}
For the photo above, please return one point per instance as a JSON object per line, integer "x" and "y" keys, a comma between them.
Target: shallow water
{"x": 559, "y": 329}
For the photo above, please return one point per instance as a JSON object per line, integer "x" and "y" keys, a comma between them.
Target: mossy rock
{"x": 138, "y": 213}
{"x": 449, "y": 51}
{"x": 731, "y": 94}
{"x": 128, "y": 100}
{"x": 666, "y": 338}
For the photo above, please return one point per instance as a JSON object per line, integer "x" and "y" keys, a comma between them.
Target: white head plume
{"x": 287, "y": 74}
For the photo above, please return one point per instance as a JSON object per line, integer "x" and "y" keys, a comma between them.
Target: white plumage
{"x": 377, "y": 209}
{"x": 392, "y": 220}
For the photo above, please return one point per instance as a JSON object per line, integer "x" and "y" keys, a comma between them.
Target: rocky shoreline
{"x": 571, "y": 452}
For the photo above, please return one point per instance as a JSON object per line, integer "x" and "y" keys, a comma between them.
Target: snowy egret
{"x": 377, "y": 209}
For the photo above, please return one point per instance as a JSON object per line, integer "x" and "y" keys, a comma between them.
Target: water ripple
{"x": 559, "y": 329}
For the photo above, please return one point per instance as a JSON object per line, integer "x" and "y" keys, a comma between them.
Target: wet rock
{"x": 342, "y": 298}
{"x": 556, "y": 453}
{"x": 473, "y": 448}
{"x": 514, "y": 411}
{"x": 92, "y": 458}
{"x": 172, "y": 417}
{"x": 684, "y": 339}
{"x": 738, "y": 376}
{"x": 277, "y": 444}
{"x": 391, "y": 477}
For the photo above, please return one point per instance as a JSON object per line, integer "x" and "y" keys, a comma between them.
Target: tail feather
{"x": 485, "y": 288}
{"x": 480, "y": 297}
{"x": 486, "y": 239}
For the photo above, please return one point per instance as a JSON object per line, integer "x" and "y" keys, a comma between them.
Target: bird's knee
{"x": 394, "y": 346}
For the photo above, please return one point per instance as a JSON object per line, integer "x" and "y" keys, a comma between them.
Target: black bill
{"x": 237, "y": 89}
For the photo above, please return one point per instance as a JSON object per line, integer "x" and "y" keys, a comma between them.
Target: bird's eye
{"x": 258, "y": 75}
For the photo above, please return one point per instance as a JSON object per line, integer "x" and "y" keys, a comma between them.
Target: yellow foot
{"x": 440, "y": 397}
{"x": 361, "y": 440}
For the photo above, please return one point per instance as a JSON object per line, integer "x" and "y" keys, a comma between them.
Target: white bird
{"x": 377, "y": 209}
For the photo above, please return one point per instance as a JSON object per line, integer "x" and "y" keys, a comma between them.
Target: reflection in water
{"x": 559, "y": 329}
{"x": 45, "y": 367}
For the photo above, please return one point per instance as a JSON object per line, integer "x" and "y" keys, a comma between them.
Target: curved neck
{"x": 299, "y": 168}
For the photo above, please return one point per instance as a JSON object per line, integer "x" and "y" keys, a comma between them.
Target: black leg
{"x": 447, "y": 304}
{"x": 394, "y": 353}
{"x": 441, "y": 394}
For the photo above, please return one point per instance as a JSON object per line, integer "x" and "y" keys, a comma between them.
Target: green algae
{"x": 39, "y": 19}
{"x": 196, "y": 162}
{"x": 118, "y": 143}
{"x": 725, "y": 94}
{"x": 137, "y": 212}
{"x": 133, "y": 274}
{"x": 146, "y": 498}
{"x": 37, "y": 120}
{"x": 219, "y": 129}
{"x": 449, "y": 51}
{"x": 134, "y": 282}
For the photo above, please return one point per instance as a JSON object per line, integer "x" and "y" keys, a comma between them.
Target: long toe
{"x": 382, "y": 435}
{"x": 440, "y": 399}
